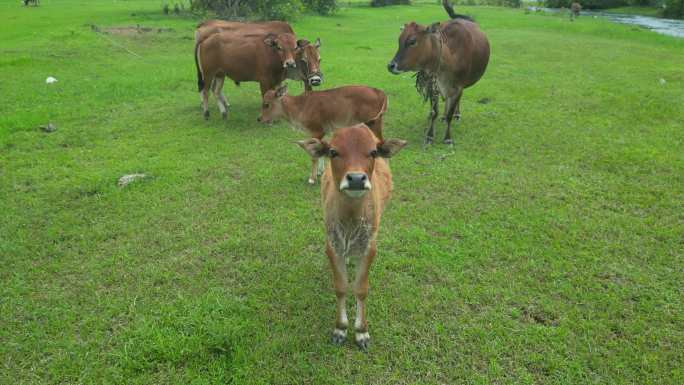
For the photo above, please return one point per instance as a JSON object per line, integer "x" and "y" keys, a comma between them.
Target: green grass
{"x": 545, "y": 247}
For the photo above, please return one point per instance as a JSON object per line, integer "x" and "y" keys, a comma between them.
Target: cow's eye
{"x": 332, "y": 153}
{"x": 374, "y": 154}
{"x": 411, "y": 42}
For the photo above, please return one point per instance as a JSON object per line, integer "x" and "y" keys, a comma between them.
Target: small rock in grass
{"x": 49, "y": 128}
{"x": 662, "y": 82}
{"x": 130, "y": 178}
{"x": 50, "y": 80}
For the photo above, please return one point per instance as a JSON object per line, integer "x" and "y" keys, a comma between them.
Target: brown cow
{"x": 575, "y": 9}
{"x": 321, "y": 112}
{"x": 454, "y": 53}
{"x": 223, "y": 54}
{"x": 355, "y": 189}
{"x": 308, "y": 59}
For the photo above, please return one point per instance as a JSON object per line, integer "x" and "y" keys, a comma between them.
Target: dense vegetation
{"x": 666, "y": 8}
{"x": 544, "y": 247}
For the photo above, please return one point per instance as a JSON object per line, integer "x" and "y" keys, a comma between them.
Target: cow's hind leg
{"x": 434, "y": 111}
{"x": 453, "y": 109}
{"x": 204, "y": 94}
{"x": 339, "y": 269}
{"x": 220, "y": 98}
{"x": 361, "y": 286}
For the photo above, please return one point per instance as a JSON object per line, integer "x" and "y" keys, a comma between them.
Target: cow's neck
{"x": 292, "y": 105}
{"x": 353, "y": 211}
{"x": 433, "y": 62}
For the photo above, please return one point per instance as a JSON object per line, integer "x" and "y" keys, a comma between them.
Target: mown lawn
{"x": 545, "y": 247}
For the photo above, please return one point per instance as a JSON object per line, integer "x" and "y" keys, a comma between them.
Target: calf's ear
{"x": 302, "y": 43}
{"x": 390, "y": 147}
{"x": 317, "y": 44}
{"x": 314, "y": 147}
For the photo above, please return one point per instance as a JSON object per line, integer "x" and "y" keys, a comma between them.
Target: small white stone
{"x": 127, "y": 179}
{"x": 662, "y": 82}
{"x": 50, "y": 80}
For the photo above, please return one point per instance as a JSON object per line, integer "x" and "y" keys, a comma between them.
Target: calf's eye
{"x": 332, "y": 153}
{"x": 374, "y": 153}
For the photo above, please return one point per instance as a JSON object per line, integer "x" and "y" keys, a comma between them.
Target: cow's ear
{"x": 316, "y": 148}
{"x": 390, "y": 147}
{"x": 433, "y": 28}
{"x": 301, "y": 43}
{"x": 281, "y": 91}
{"x": 317, "y": 44}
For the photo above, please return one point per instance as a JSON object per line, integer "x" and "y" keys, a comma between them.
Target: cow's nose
{"x": 291, "y": 64}
{"x": 392, "y": 67}
{"x": 357, "y": 180}
{"x": 315, "y": 81}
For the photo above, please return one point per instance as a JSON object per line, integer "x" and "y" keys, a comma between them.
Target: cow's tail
{"x": 200, "y": 76}
{"x": 452, "y": 14}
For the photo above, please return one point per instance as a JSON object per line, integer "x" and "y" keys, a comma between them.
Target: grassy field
{"x": 545, "y": 247}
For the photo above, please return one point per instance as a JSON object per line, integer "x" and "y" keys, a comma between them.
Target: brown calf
{"x": 355, "y": 189}
{"x": 262, "y": 60}
{"x": 308, "y": 59}
{"x": 321, "y": 112}
{"x": 455, "y": 53}
{"x": 575, "y": 9}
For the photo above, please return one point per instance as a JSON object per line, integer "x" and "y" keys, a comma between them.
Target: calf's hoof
{"x": 339, "y": 336}
{"x": 224, "y": 115}
{"x": 457, "y": 117}
{"x": 363, "y": 341}
{"x": 428, "y": 140}
{"x": 206, "y": 115}
{"x": 448, "y": 141}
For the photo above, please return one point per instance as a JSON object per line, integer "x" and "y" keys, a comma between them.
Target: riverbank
{"x": 641, "y": 11}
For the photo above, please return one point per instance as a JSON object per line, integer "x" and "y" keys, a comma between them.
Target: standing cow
{"x": 226, "y": 54}
{"x": 355, "y": 189}
{"x": 454, "y": 53}
{"x": 575, "y": 9}
{"x": 308, "y": 59}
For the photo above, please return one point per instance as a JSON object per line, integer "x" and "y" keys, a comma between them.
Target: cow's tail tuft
{"x": 200, "y": 77}
{"x": 452, "y": 14}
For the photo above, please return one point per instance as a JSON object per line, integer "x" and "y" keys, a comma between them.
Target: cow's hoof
{"x": 457, "y": 117}
{"x": 206, "y": 115}
{"x": 428, "y": 140}
{"x": 449, "y": 141}
{"x": 363, "y": 341}
{"x": 339, "y": 336}
{"x": 224, "y": 115}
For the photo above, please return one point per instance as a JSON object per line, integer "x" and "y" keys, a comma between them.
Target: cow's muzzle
{"x": 393, "y": 67}
{"x": 355, "y": 184}
{"x": 289, "y": 64}
{"x": 315, "y": 80}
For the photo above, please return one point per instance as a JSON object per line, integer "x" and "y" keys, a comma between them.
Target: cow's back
{"x": 211, "y": 27}
{"x": 469, "y": 49}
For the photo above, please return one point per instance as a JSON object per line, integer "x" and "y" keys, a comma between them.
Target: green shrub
{"x": 674, "y": 9}
{"x": 323, "y": 7}
{"x": 382, "y": 3}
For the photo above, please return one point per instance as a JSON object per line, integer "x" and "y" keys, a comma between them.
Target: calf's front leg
{"x": 339, "y": 269}
{"x": 361, "y": 293}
